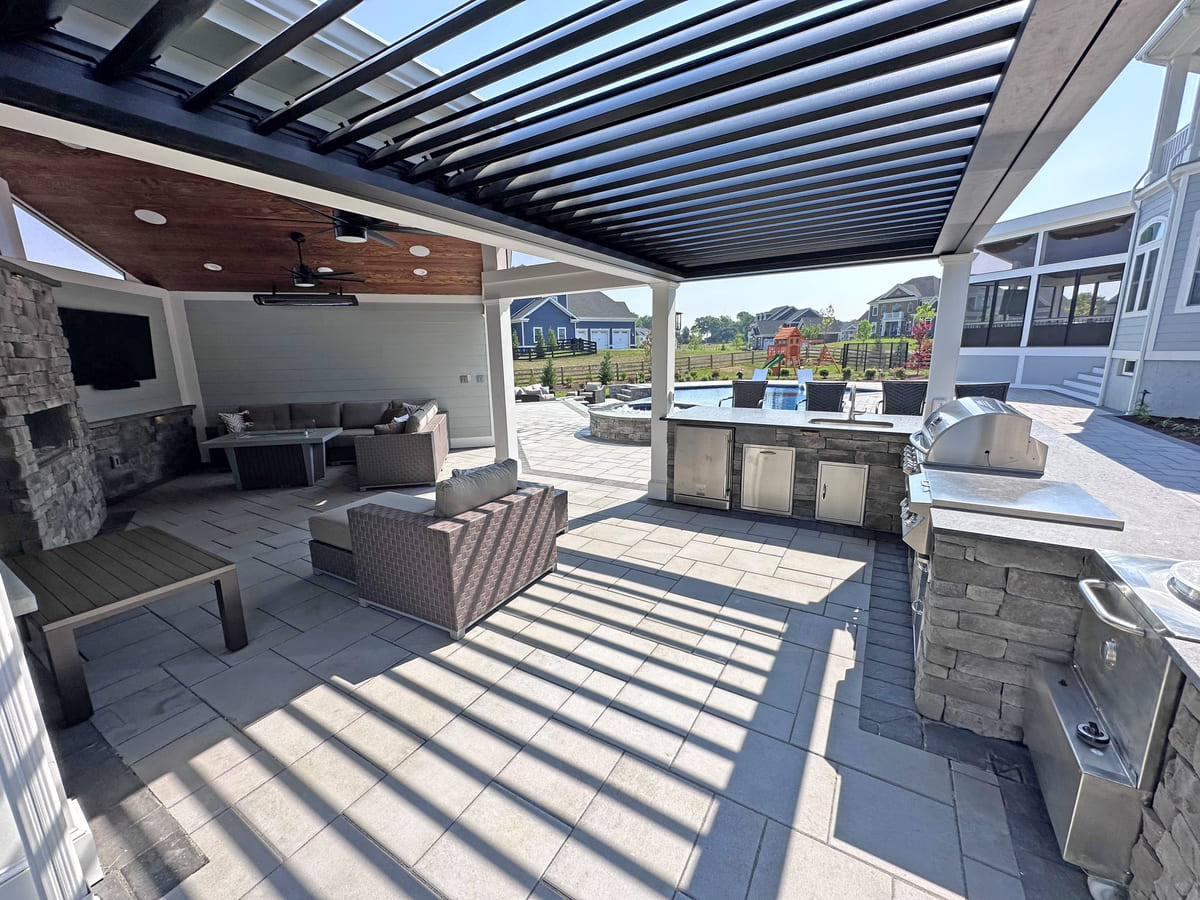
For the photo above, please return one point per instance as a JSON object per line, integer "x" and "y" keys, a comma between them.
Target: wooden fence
{"x": 572, "y": 347}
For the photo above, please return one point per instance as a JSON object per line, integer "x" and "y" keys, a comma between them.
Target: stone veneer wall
{"x": 991, "y": 609}
{"x": 153, "y": 447}
{"x": 1166, "y": 857}
{"x": 626, "y": 429}
{"x": 58, "y": 499}
{"x": 881, "y": 451}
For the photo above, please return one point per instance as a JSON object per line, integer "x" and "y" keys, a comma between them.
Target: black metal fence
{"x": 874, "y": 355}
{"x": 571, "y": 347}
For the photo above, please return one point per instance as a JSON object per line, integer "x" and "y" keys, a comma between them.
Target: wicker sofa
{"x": 447, "y": 571}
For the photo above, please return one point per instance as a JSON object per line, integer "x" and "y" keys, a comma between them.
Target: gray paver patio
{"x": 672, "y": 713}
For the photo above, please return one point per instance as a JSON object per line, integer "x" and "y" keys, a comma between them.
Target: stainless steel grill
{"x": 980, "y": 434}
{"x": 1097, "y": 727}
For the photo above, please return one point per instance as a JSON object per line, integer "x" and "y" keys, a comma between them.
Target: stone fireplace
{"x": 50, "y": 494}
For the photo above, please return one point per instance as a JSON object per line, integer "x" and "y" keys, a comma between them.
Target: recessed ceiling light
{"x": 150, "y": 217}
{"x": 421, "y": 272}
{"x": 213, "y": 267}
{"x": 418, "y": 250}
{"x": 324, "y": 269}
{"x": 71, "y": 145}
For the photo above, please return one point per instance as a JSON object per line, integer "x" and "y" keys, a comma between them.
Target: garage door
{"x": 600, "y": 337}
{"x": 620, "y": 340}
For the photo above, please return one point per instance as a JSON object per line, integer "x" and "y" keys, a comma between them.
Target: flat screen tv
{"x": 109, "y": 351}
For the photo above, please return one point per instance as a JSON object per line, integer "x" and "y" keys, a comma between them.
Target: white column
{"x": 662, "y": 381}
{"x": 497, "y": 323}
{"x": 1169, "y": 104}
{"x": 947, "y": 341}
{"x": 11, "y": 245}
{"x": 29, "y": 777}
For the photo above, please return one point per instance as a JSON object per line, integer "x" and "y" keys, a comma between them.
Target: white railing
{"x": 1171, "y": 152}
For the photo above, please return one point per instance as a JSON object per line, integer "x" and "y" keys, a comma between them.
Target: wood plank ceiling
{"x": 92, "y": 195}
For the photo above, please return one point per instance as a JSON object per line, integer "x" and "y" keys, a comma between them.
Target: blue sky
{"x": 1105, "y": 154}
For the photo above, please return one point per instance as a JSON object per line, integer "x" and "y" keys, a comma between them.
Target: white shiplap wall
{"x": 1131, "y": 328}
{"x": 248, "y": 354}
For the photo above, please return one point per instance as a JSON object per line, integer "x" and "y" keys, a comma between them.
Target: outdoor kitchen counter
{"x": 796, "y": 419}
{"x": 1158, "y": 520}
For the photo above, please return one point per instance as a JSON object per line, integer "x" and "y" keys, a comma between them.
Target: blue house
{"x": 591, "y": 316}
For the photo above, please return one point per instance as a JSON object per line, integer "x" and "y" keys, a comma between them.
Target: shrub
{"x": 846, "y": 373}
{"x": 551, "y": 340}
{"x": 606, "y": 369}
{"x": 822, "y": 372}
{"x": 549, "y": 374}
{"x": 783, "y": 372}
{"x": 898, "y": 374}
{"x": 869, "y": 374}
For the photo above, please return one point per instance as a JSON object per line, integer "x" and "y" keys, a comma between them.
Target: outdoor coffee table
{"x": 266, "y": 459}
{"x": 86, "y": 582}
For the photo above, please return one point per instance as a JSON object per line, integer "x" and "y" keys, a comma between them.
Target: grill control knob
{"x": 1108, "y": 653}
{"x": 1092, "y": 734}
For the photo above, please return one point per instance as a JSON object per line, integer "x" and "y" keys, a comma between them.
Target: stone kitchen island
{"x": 874, "y": 442}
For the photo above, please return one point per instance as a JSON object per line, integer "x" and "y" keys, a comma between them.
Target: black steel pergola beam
{"x": 559, "y": 37}
{"x": 892, "y": 251}
{"x": 781, "y": 168}
{"x": 786, "y": 214}
{"x": 662, "y": 138}
{"x": 772, "y": 186}
{"x": 933, "y": 207}
{"x": 696, "y": 95}
{"x": 805, "y": 189}
{"x": 568, "y": 192}
{"x": 679, "y": 41}
{"x": 147, "y": 37}
{"x": 22, "y": 19}
{"x": 921, "y": 229}
{"x": 451, "y": 25}
{"x": 257, "y": 60}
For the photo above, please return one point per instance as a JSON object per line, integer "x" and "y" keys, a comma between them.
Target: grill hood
{"x": 982, "y": 434}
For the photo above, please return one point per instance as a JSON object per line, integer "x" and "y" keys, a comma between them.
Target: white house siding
{"x": 1127, "y": 338}
{"x": 988, "y": 368}
{"x": 248, "y": 354}
{"x": 1180, "y": 331}
{"x": 1053, "y": 370}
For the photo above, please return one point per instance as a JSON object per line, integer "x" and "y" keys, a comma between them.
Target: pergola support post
{"x": 947, "y": 342}
{"x": 662, "y": 381}
{"x": 497, "y": 326}
{"x": 11, "y": 245}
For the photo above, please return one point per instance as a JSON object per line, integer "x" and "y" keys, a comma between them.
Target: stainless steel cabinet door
{"x": 768, "y": 475}
{"x": 703, "y": 459}
{"x": 841, "y": 492}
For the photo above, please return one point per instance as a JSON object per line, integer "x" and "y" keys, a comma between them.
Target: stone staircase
{"x": 1085, "y": 386}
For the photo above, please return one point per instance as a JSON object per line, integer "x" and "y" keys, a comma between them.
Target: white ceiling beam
{"x": 546, "y": 279}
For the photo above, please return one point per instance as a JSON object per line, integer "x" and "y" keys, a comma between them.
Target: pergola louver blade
{"x": 143, "y": 42}
{"x": 596, "y": 21}
{"x": 449, "y": 26}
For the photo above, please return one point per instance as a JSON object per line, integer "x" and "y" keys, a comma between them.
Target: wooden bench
{"x": 90, "y": 581}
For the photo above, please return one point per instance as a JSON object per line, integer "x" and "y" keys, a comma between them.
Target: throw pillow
{"x": 396, "y": 426}
{"x": 412, "y": 408}
{"x": 459, "y": 493}
{"x": 234, "y": 422}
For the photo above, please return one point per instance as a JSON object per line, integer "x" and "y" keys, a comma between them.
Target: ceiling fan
{"x": 349, "y": 227}
{"x": 305, "y": 276}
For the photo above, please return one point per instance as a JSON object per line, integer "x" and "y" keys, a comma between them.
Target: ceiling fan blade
{"x": 403, "y": 229}
{"x": 326, "y": 276}
{"x": 280, "y": 219}
{"x": 313, "y": 209}
{"x": 374, "y": 235}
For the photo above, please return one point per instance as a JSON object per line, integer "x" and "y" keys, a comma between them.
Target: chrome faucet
{"x": 853, "y": 411}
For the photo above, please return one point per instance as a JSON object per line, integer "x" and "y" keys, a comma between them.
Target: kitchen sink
{"x": 855, "y": 423}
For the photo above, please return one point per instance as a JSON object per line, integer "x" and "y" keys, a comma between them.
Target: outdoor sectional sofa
{"x": 448, "y": 571}
{"x": 383, "y": 460}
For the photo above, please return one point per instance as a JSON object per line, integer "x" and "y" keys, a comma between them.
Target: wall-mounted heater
{"x": 277, "y": 299}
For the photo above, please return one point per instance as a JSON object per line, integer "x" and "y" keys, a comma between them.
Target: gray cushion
{"x": 276, "y": 417}
{"x": 471, "y": 489}
{"x": 325, "y": 415}
{"x": 362, "y": 413}
{"x": 346, "y": 438}
{"x": 398, "y": 425}
{"x": 333, "y": 527}
{"x": 419, "y": 420}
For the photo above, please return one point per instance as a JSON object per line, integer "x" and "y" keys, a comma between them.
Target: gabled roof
{"x": 788, "y": 332}
{"x": 787, "y": 313}
{"x": 914, "y": 288}
{"x": 596, "y": 305}
{"x": 526, "y": 307}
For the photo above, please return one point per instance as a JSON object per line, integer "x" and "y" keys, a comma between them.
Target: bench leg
{"x": 68, "y": 675}
{"x": 229, "y": 602}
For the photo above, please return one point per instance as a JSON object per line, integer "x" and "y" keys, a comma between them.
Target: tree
{"x": 864, "y": 330}
{"x": 645, "y": 322}
{"x": 606, "y": 369}
{"x": 918, "y": 358}
{"x": 828, "y": 319}
{"x": 744, "y": 321}
{"x": 685, "y": 335}
{"x": 516, "y": 342}
{"x": 549, "y": 374}
{"x": 811, "y": 332}
{"x": 551, "y": 340}
{"x": 540, "y": 344}
{"x": 739, "y": 342}
{"x": 694, "y": 338}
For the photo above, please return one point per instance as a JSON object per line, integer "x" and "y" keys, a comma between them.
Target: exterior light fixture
{"x": 150, "y": 217}
{"x": 213, "y": 267}
{"x": 350, "y": 234}
{"x": 301, "y": 278}
{"x": 420, "y": 273}
{"x": 418, "y": 250}
{"x": 678, "y": 322}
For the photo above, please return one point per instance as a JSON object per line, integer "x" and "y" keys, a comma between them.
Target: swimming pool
{"x": 779, "y": 396}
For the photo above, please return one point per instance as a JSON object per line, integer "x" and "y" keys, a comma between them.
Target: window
{"x": 895, "y": 307}
{"x": 537, "y": 332}
{"x": 1145, "y": 267}
{"x": 1076, "y": 308}
{"x": 999, "y": 256}
{"x": 562, "y": 332}
{"x": 995, "y": 314}
{"x": 1105, "y": 238}
{"x": 1128, "y": 367}
{"x": 874, "y": 310}
{"x": 910, "y": 307}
